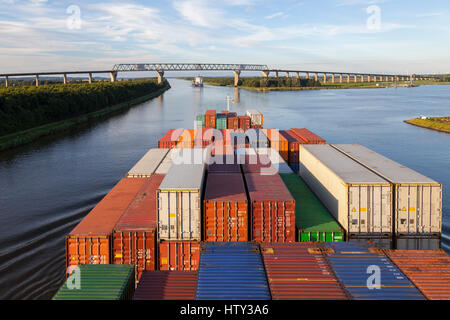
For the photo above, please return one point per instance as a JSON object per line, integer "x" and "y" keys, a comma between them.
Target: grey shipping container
{"x": 147, "y": 165}
{"x": 276, "y": 160}
{"x": 167, "y": 162}
{"x": 417, "y": 200}
{"x": 179, "y": 202}
{"x": 360, "y": 200}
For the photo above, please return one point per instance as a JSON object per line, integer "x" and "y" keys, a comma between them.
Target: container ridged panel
{"x": 352, "y": 262}
{"x": 231, "y": 271}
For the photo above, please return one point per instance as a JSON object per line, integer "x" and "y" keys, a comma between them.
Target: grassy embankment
{"x": 437, "y": 123}
{"x": 27, "y": 112}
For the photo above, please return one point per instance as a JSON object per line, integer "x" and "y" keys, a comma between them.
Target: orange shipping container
{"x": 90, "y": 241}
{"x": 308, "y": 136}
{"x": 244, "y": 122}
{"x": 210, "y": 119}
{"x": 278, "y": 142}
{"x": 225, "y": 208}
{"x": 186, "y": 139}
{"x": 134, "y": 237}
{"x": 179, "y": 255}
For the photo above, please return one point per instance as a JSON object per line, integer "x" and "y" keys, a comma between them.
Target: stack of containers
{"x": 179, "y": 217}
{"x": 417, "y": 200}
{"x": 225, "y": 204}
{"x": 256, "y": 118}
{"x": 294, "y": 143}
{"x": 276, "y": 160}
{"x": 359, "y": 200}
{"x": 367, "y": 274}
{"x": 244, "y": 123}
{"x": 203, "y": 137}
{"x": 221, "y": 121}
{"x": 429, "y": 270}
{"x": 314, "y": 222}
{"x": 308, "y": 136}
{"x": 200, "y": 121}
{"x": 210, "y": 119}
{"x": 167, "y": 162}
{"x": 231, "y": 271}
{"x": 257, "y": 138}
{"x": 239, "y": 139}
{"x": 100, "y": 282}
{"x": 90, "y": 241}
{"x": 167, "y": 285}
{"x": 232, "y": 121}
{"x": 170, "y": 139}
{"x": 147, "y": 165}
{"x": 299, "y": 271}
{"x": 186, "y": 139}
{"x": 272, "y": 207}
{"x": 134, "y": 236}
{"x": 278, "y": 142}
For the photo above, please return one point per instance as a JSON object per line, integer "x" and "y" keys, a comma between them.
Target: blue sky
{"x": 43, "y": 35}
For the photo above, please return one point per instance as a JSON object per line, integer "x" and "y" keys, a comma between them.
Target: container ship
{"x": 231, "y": 210}
{"x": 197, "y": 82}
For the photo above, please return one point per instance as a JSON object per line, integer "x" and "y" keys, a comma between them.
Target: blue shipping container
{"x": 231, "y": 271}
{"x": 368, "y": 274}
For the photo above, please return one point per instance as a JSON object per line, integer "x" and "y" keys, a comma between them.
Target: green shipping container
{"x": 221, "y": 121}
{"x": 314, "y": 222}
{"x": 99, "y": 282}
{"x": 200, "y": 121}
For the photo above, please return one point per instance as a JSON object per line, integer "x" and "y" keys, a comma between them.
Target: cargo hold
{"x": 359, "y": 200}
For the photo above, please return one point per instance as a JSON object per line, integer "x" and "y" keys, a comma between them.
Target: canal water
{"x": 48, "y": 186}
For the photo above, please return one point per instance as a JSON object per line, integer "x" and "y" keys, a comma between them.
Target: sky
{"x": 373, "y": 36}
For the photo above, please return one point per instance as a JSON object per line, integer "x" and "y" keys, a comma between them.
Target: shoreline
{"x": 429, "y": 124}
{"x": 23, "y": 137}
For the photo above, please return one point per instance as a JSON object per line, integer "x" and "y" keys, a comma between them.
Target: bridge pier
{"x": 316, "y": 77}
{"x": 90, "y": 77}
{"x": 236, "y": 77}
{"x": 6, "y": 82}
{"x": 37, "y": 80}
{"x": 287, "y": 74}
{"x": 297, "y": 75}
{"x": 307, "y": 75}
{"x": 348, "y": 78}
{"x": 332, "y": 78}
{"x": 324, "y": 78}
{"x": 265, "y": 74}
{"x": 65, "y": 78}
{"x": 340, "y": 78}
{"x": 113, "y": 76}
{"x": 160, "y": 76}
{"x": 276, "y": 74}
{"x": 362, "y": 78}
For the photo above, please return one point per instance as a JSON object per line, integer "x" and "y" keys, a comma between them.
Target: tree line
{"x": 269, "y": 82}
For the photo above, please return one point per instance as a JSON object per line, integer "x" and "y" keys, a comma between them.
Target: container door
{"x": 166, "y": 214}
{"x": 380, "y": 210}
{"x": 358, "y": 206}
{"x": 429, "y": 209}
{"x": 406, "y": 220}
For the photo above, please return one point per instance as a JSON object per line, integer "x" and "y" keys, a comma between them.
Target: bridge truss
{"x": 189, "y": 67}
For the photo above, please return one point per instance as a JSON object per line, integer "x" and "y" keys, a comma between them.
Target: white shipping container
{"x": 360, "y": 200}
{"x": 276, "y": 160}
{"x": 179, "y": 203}
{"x": 256, "y": 117}
{"x": 417, "y": 200}
{"x": 167, "y": 162}
{"x": 147, "y": 165}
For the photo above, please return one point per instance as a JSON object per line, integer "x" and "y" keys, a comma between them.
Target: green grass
{"x": 437, "y": 123}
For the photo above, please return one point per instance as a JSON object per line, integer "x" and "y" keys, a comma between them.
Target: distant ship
{"x": 197, "y": 82}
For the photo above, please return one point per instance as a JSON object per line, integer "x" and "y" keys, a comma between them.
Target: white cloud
{"x": 200, "y": 13}
{"x": 276, "y": 14}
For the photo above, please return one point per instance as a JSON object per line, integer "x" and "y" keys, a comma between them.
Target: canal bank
{"x": 441, "y": 124}
{"x": 26, "y": 136}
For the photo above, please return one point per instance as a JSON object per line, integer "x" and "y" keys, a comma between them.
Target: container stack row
{"x": 229, "y": 120}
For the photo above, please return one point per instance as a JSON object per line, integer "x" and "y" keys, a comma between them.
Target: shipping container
{"x": 219, "y": 149}
{"x": 244, "y": 122}
{"x": 167, "y": 162}
{"x": 417, "y": 200}
{"x": 276, "y": 160}
{"x": 179, "y": 202}
{"x": 272, "y": 209}
{"x": 178, "y": 255}
{"x": 90, "y": 241}
{"x": 99, "y": 282}
{"x": 225, "y": 208}
{"x": 221, "y": 121}
{"x": 299, "y": 271}
{"x": 257, "y": 138}
{"x": 148, "y": 164}
{"x": 239, "y": 139}
{"x": 166, "y": 285}
{"x": 170, "y": 139}
{"x": 278, "y": 142}
{"x": 429, "y": 270}
{"x": 223, "y": 164}
{"x": 368, "y": 274}
{"x": 256, "y": 163}
{"x": 186, "y": 139}
{"x": 200, "y": 121}
{"x": 232, "y": 121}
{"x": 210, "y": 119}
{"x": 417, "y": 243}
{"x": 294, "y": 143}
{"x": 308, "y": 136}
{"x": 358, "y": 199}
{"x": 313, "y": 220}
{"x": 256, "y": 118}
{"x": 231, "y": 271}
{"x": 134, "y": 236}
{"x": 203, "y": 137}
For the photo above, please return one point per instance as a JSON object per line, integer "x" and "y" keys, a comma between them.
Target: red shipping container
{"x": 167, "y": 285}
{"x": 294, "y": 142}
{"x": 278, "y": 142}
{"x": 134, "y": 237}
{"x": 232, "y": 122}
{"x": 225, "y": 208}
{"x": 257, "y": 163}
{"x": 186, "y": 139}
{"x": 220, "y": 149}
{"x": 90, "y": 241}
{"x": 220, "y": 163}
{"x": 244, "y": 122}
{"x": 272, "y": 209}
{"x": 170, "y": 139}
{"x": 308, "y": 136}
{"x": 179, "y": 255}
{"x": 299, "y": 271}
{"x": 203, "y": 137}
{"x": 210, "y": 119}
